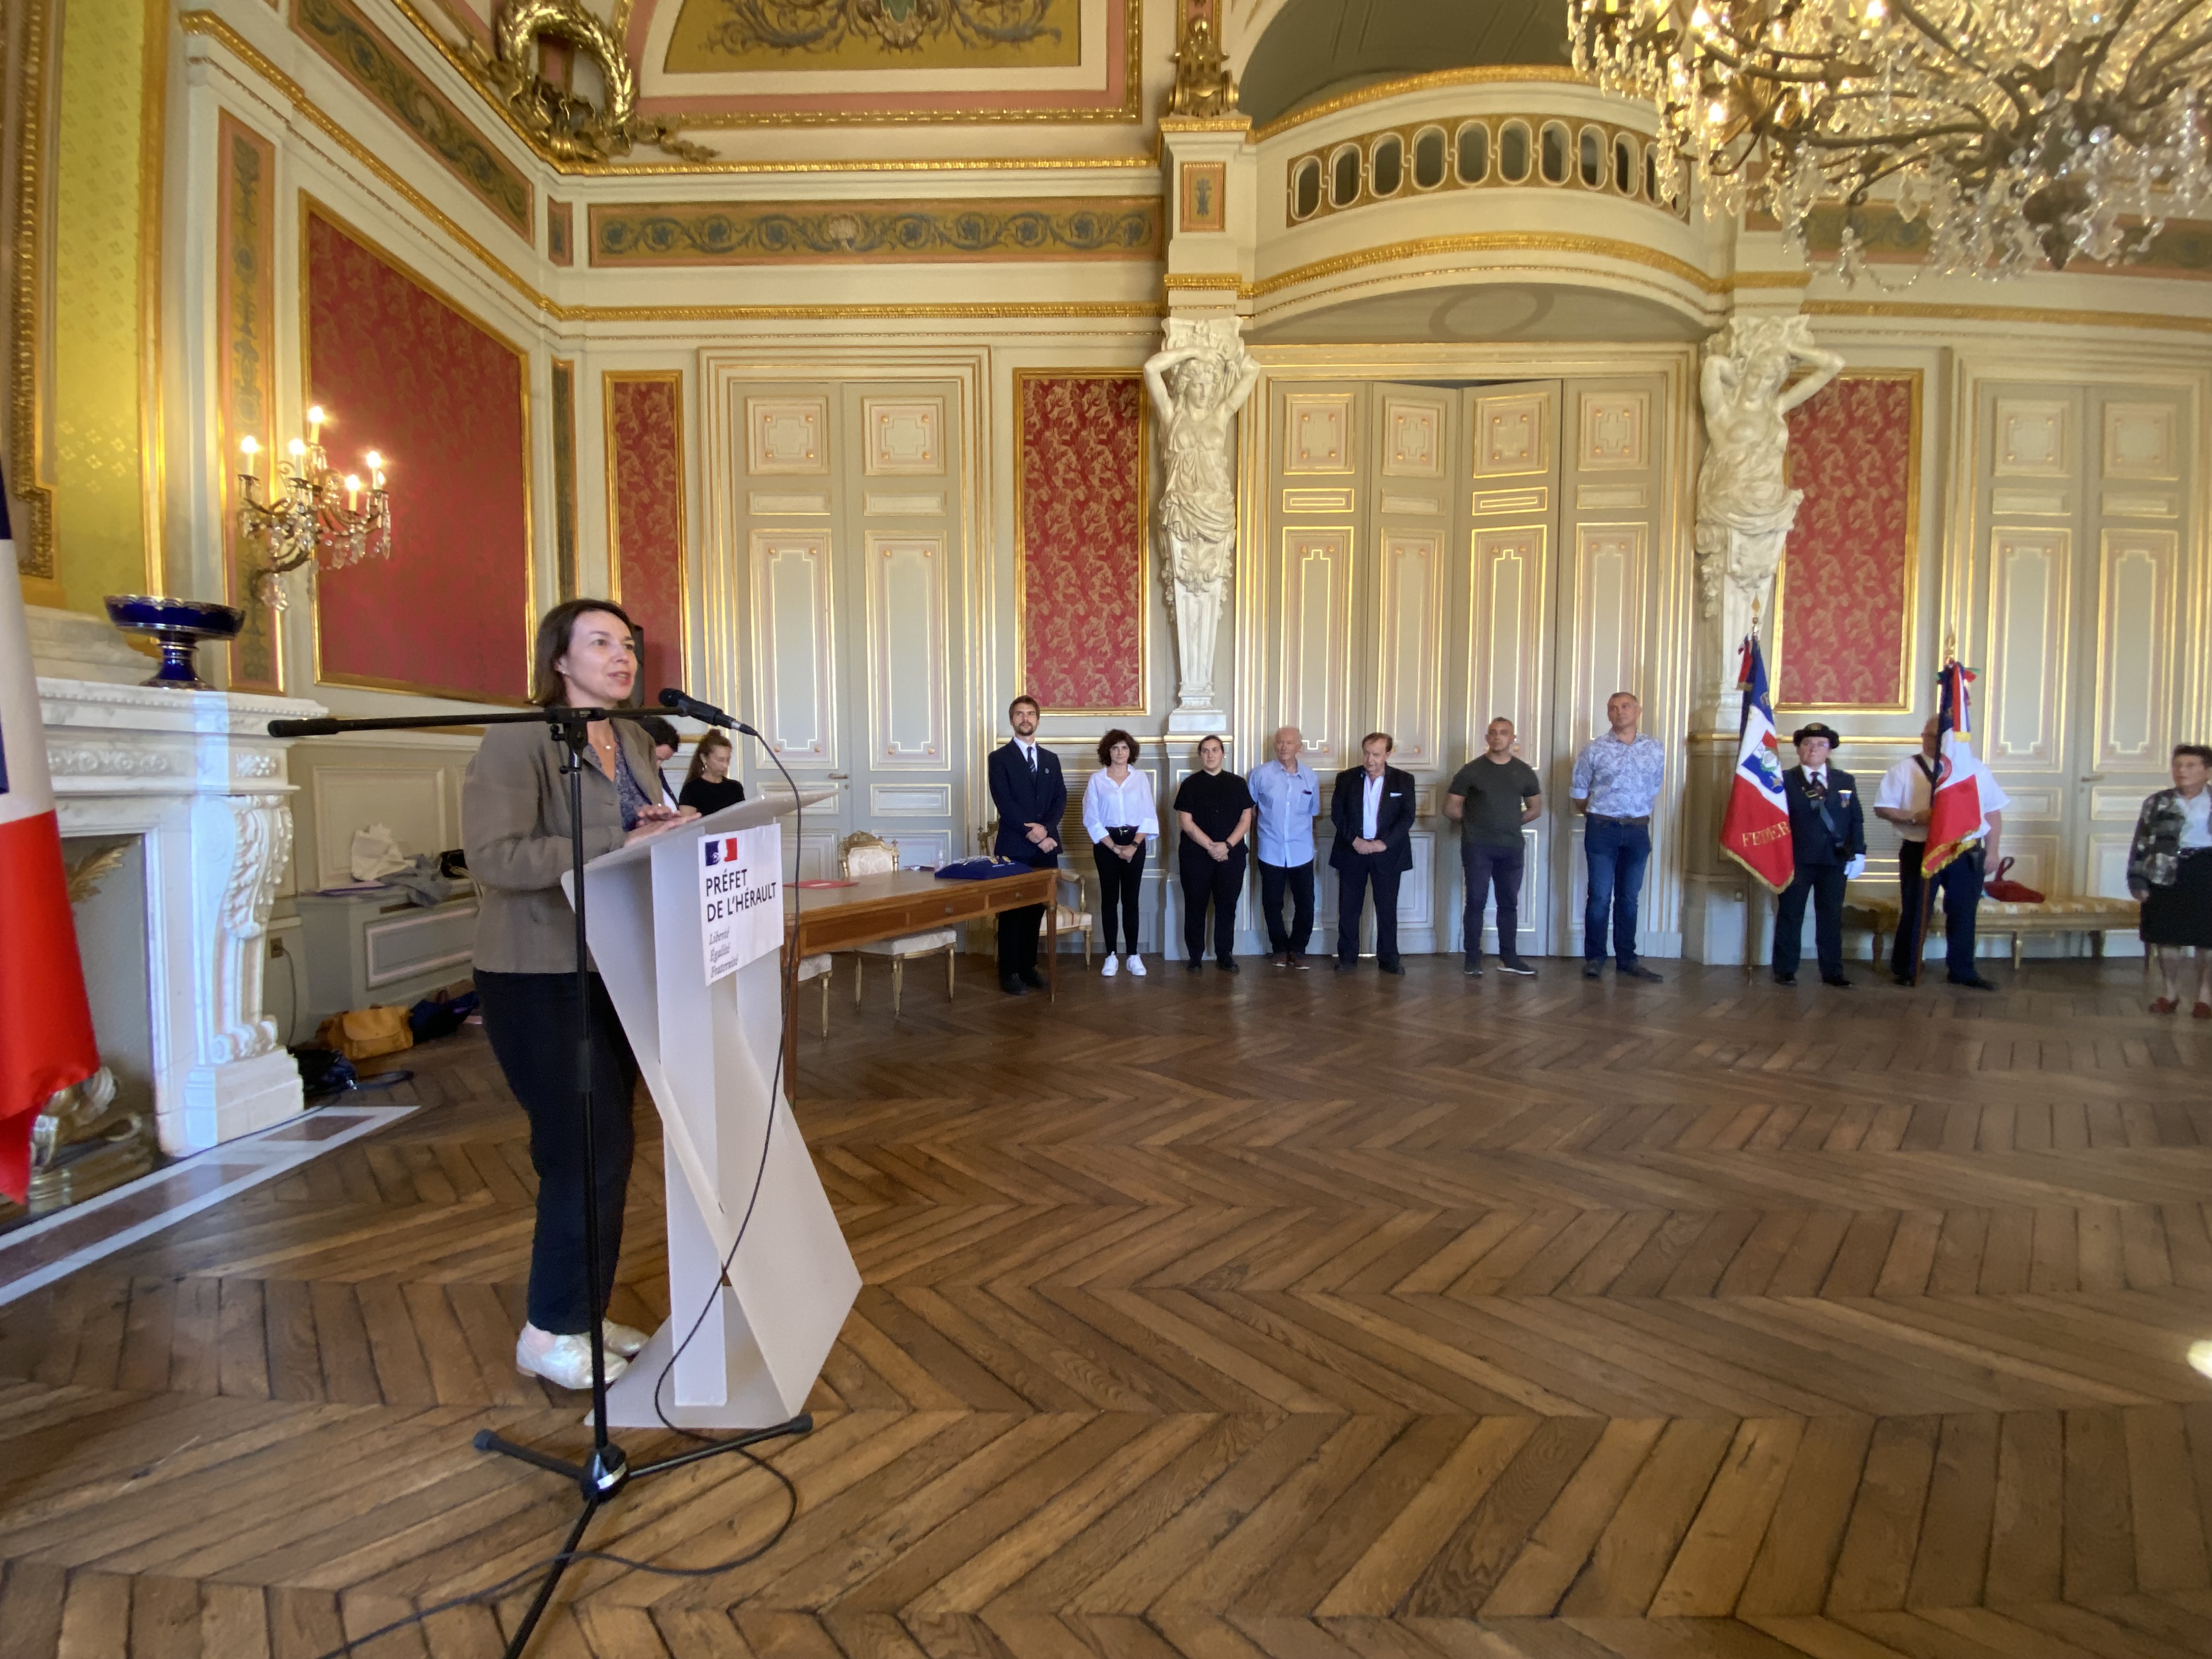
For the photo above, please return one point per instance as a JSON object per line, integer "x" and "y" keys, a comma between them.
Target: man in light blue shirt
{"x": 1288, "y": 795}
{"x": 1616, "y": 784}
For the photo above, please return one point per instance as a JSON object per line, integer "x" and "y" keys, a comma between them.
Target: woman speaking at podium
{"x": 514, "y": 808}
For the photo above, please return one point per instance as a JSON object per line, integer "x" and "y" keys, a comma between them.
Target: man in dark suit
{"x": 1373, "y": 813}
{"x": 1031, "y": 796}
{"x": 1827, "y": 832}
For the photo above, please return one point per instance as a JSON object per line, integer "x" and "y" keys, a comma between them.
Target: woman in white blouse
{"x": 1119, "y": 816}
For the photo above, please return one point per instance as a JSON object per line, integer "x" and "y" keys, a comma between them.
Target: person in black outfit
{"x": 708, "y": 786}
{"x": 1372, "y": 811}
{"x": 1214, "y": 810}
{"x": 1031, "y": 796}
{"x": 1827, "y": 833}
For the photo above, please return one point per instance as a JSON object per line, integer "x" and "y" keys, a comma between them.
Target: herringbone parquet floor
{"x": 1283, "y": 1316}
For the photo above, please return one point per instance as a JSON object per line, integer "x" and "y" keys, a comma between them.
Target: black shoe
{"x": 1637, "y": 970}
{"x": 1839, "y": 982}
{"x": 1473, "y": 969}
{"x": 1593, "y": 970}
{"x": 1781, "y": 978}
{"x": 1905, "y": 981}
{"x": 1195, "y": 965}
{"x": 1398, "y": 967}
{"x": 1033, "y": 979}
{"x": 1344, "y": 967}
{"x": 1282, "y": 959}
{"x": 1515, "y": 965}
{"x": 1297, "y": 959}
{"x": 1977, "y": 983}
{"x": 1229, "y": 965}
{"x": 1012, "y": 986}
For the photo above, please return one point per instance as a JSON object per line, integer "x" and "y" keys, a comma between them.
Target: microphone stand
{"x": 603, "y": 1474}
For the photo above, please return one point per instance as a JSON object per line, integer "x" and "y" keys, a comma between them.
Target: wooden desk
{"x": 819, "y": 918}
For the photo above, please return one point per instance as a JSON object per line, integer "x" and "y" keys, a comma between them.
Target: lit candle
{"x": 375, "y": 469}
{"x": 296, "y": 448}
{"x": 315, "y": 424}
{"x": 251, "y": 448}
{"x": 353, "y": 492}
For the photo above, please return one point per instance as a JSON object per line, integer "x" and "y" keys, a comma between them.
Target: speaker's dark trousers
{"x": 1616, "y": 851}
{"x": 1959, "y": 882}
{"x": 1824, "y": 885}
{"x": 1484, "y": 866}
{"x": 1017, "y": 940}
{"x": 1206, "y": 880}
{"x": 534, "y": 1025}
{"x": 1352, "y": 881}
{"x": 1120, "y": 881}
{"x": 1299, "y": 879}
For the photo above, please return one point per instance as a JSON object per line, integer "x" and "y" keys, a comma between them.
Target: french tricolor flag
{"x": 45, "y": 1027}
{"x": 1755, "y": 832}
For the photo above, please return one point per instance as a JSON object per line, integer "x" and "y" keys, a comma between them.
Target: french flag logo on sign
{"x": 724, "y": 851}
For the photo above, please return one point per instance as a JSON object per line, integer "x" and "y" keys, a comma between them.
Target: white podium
{"x": 707, "y": 1054}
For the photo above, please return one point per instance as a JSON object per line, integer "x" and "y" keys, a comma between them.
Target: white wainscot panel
{"x": 1609, "y": 589}
{"x": 2031, "y": 439}
{"x": 1317, "y": 432}
{"x": 1412, "y": 437}
{"x": 905, "y": 435}
{"x": 1417, "y": 893}
{"x": 2028, "y": 585}
{"x": 407, "y": 801}
{"x": 1316, "y": 580}
{"x": 917, "y": 800}
{"x": 2139, "y": 441}
{"x": 1612, "y": 433}
{"x": 1512, "y": 434}
{"x": 791, "y": 646}
{"x": 787, "y": 435}
{"x": 2134, "y": 696}
{"x": 905, "y": 649}
{"x": 1412, "y": 608}
{"x": 2108, "y": 865}
{"x": 1507, "y": 595}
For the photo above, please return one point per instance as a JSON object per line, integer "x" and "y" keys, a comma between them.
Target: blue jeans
{"x": 1617, "y": 853}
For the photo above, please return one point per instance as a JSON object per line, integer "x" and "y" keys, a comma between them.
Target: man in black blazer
{"x": 1827, "y": 832}
{"x": 1372, "y": 810}
{"x": 1031, "y": 796}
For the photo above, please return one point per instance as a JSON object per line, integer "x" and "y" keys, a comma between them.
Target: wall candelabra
{"x": 322, "y": 518}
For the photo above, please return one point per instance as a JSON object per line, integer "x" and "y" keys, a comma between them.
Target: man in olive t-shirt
{"x": 1492, "y": 796}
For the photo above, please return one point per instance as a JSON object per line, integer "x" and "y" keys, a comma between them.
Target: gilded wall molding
{"x": 27, "y": 482}
{"x": 629, "y": 235}
{"x": 1492, "y": 242}
{"x": 360, "y": 51}
{"x": 2012, "y": 315}
{"x": 558, "y": 124}
{"x": 1488, "y": 74}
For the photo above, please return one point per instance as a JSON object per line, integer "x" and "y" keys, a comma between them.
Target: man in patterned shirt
{"x": 1616, "y": 782}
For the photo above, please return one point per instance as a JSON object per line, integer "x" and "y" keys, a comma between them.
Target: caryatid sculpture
{"x": 1745, "y": 504}
{"x": 1199, "y": 379}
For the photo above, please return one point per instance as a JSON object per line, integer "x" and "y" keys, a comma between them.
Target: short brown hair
{"x": 1018, "y": 702}
{"x": 1389, "y": 744}
{"x": 555, "y": 629}
{"x": 1106, "y": 746}
{"x": 2203, "y": 751}
{"x": 711, "y": 740}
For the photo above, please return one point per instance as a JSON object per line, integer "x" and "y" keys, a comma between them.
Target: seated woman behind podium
{"x": 708, "y": 786}
{"x": 514, "y": 806}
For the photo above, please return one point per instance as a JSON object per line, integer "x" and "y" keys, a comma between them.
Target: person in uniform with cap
{"x": 1828, "y": 831}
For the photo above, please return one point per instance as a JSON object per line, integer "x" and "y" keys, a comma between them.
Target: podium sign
{"x": 707, "y": 1049}
{"x": 740, "y": 895}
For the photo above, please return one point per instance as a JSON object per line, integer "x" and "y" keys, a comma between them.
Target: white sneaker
{"x": 564, "y": 1361}
{"x": 624, "y": 1339}
{"x": 1112, "y": 966}
{"x": 1136, "y": 965}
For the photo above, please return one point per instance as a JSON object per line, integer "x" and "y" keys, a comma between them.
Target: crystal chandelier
{"x": 331, "y": 520}
{"x": 2019, "y": 131}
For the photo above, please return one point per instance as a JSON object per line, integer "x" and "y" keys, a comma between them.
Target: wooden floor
{"x": 1281, "y": 1315}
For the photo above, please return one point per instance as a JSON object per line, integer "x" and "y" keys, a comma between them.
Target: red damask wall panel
{"x": 1845, "y": 597}
{"x": 402, "y": 371}
{"x": 1081, "y": 529}
{"x": 645, "y": 516}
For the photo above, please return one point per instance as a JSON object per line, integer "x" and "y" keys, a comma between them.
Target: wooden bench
{"x": 2093, "y": 916}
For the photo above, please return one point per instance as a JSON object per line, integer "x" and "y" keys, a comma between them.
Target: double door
{"x": 1442, "y": 555}
{"x": 849, "y": 526}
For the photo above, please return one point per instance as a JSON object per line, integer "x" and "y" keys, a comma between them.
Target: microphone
{"x": 692, "y": 708}
{"x": 326, "y": 726}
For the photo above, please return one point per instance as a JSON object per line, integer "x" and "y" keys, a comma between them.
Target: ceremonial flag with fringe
{"x": 1954, "y": 810}
{"x": 1755, "y": 832}
{"x": 45, "y": 1027}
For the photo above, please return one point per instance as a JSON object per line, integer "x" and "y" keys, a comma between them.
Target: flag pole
{"x": 1750, "y": 888}
{"x": 1928, "y": 887}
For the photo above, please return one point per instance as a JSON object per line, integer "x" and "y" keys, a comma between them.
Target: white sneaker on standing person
{"x": 1120, "y": 818}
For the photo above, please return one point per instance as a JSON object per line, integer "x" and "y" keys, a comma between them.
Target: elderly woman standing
{"x": 2170, "y": 873}
{"x": 514, "y": 806}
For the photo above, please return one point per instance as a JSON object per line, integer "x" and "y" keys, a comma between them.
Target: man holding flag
{"x": 45, "y": 1028}
{"x": 1755, "y": 830}
{"x": 1949, "y": 813}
